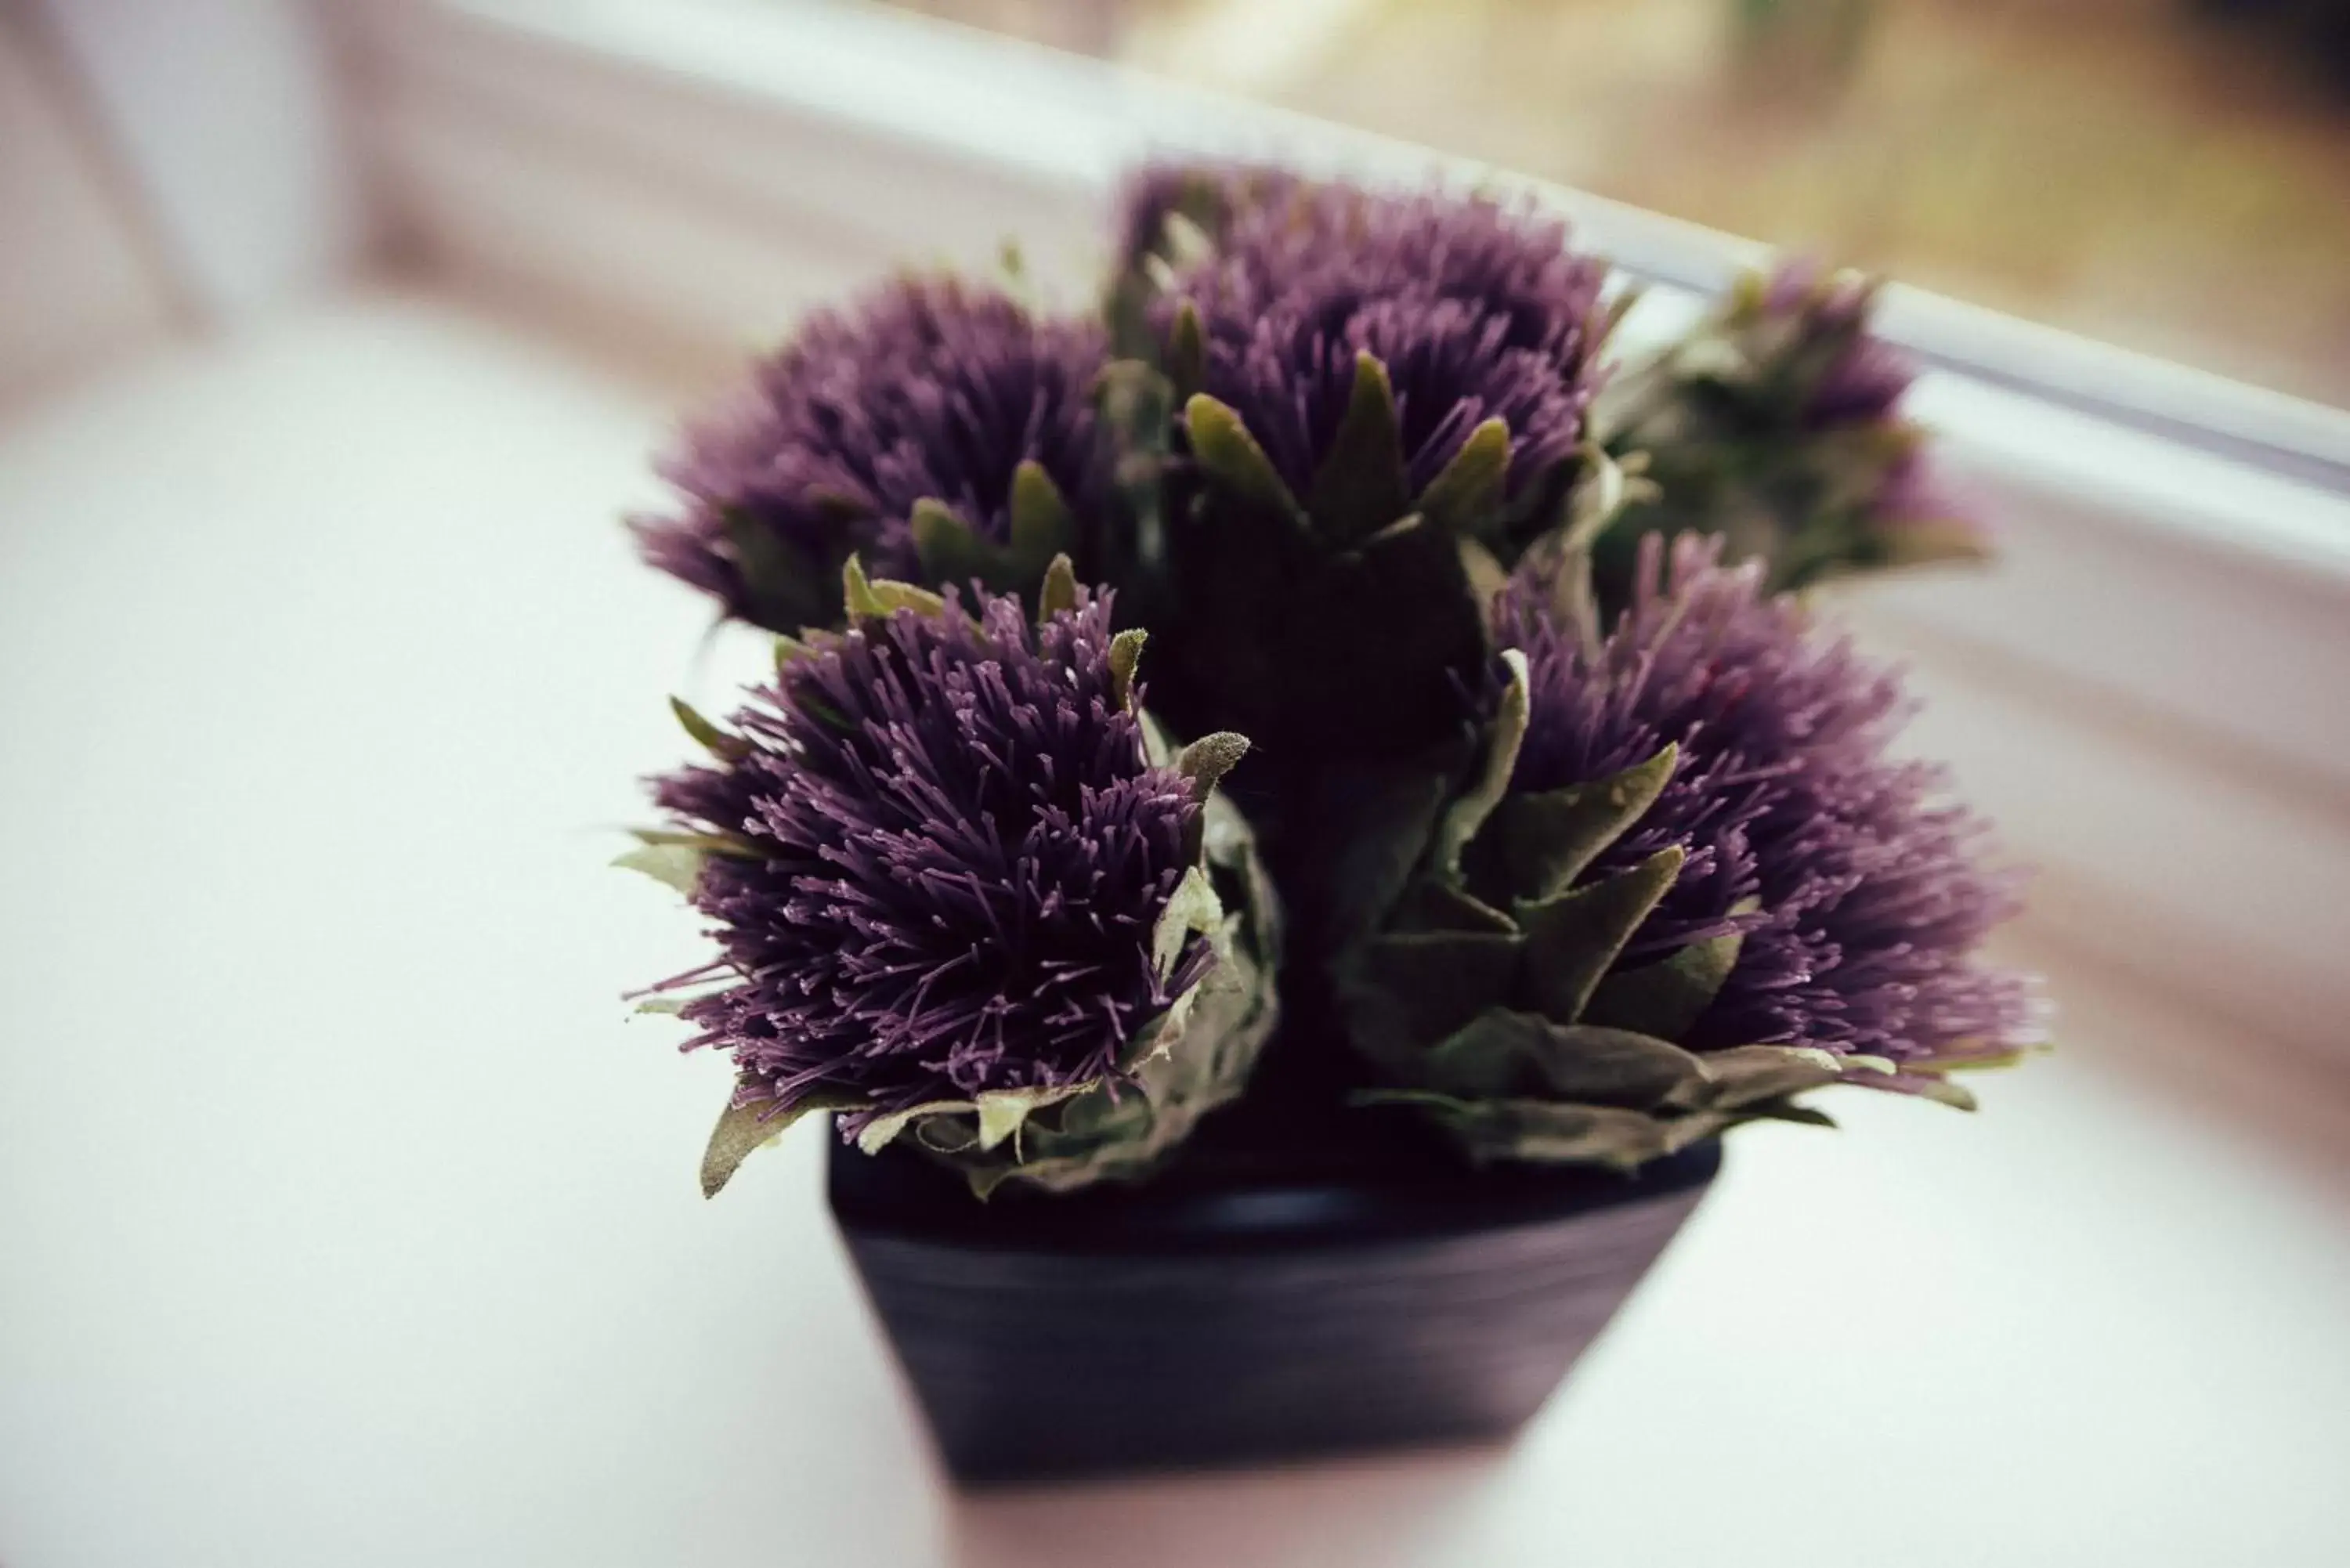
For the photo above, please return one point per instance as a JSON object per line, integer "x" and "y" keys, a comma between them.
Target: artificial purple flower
{"x": 947, "y": 859}
{"x": 1478, "y": 311}
{"x": 1861, "y": 895}
{"x": 929, "y": 389}
{"x": 1207, "y": 195}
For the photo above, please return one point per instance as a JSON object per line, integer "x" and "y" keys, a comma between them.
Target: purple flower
{"x": 1478, "y": 311}
{"x": 1207, "y": 195}
{"x": 952, "y": 857}
{"x": 1861, "y": 894}
{"x": 928, "y": 390}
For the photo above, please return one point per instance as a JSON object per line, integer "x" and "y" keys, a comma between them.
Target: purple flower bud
{"x": 929, "y": 389}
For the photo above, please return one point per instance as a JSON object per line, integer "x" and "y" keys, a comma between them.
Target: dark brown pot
{"x": 1371, "y": 1291}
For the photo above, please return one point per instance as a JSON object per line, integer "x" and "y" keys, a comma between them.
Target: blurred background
{"x": 2110, "y": 166}
{"x": 344, "y": 1217}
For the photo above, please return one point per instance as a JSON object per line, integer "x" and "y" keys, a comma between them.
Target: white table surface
{"x": 345, "y": 1217}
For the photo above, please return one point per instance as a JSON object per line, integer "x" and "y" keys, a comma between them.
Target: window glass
{"x": 2170, "y": 175}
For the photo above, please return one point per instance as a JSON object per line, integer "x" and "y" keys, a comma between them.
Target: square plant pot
{"x": 1248, "y": 1304}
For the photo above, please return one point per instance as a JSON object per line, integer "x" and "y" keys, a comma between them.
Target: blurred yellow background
{"x": 2170, "y": 175}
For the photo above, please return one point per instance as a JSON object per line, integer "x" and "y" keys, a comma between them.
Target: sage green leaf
{"x": 1543, "y": 1132}
{"x": 1125, "y": 651}
{"x": 1572, "y": 939}
{"x": 949, "y": 549}
{"x": 1535, "y": 845}
{"x": 1465, "y": 498}
{"x": 783, "y": 586}
{"x": 1229, "y": 454}
{"x": 1059, "y": 592}
{"x": 1041, "y": 524}
{"x": 668, "y": 1006}
{"x": 1379, "y": 830}
{"x": 1209, "y": 759}
{"x": 708, "y": 843}
{"x": 1927, "y": 1087}
{"x": 1001, "y": 1111}
{"x": 1503, "y": 1053}
{"x": 1360, "y": 486}
{"x": 1486, "y": 575}
{"x": 1467, "y": 814}
{"x": 857, "y": 591}
{"x": 1186, "y": 351}
{"x": 717, "y": 742}
{"x": 677, "y": 865}
{"x": 1426, "y": 986}
{"x": 1667, "y": 998}
{"x": 1786, "y": 1111}
{"x": 790, "y": 650}
{"x": 1433, "y": 906}
{"x": 1751, "y": 1075}
{"x": 1601, "y": 492}
{"x": 744, "y": 1128}
{"x": 1193, "y": 906}
{"x": 876, "y": 596}
{"x": 877, "y": 1134}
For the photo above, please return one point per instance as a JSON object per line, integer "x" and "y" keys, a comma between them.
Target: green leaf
{"x": 744, "y": 1128}
{"x": 1001, "y": 1112}
{"x": 857, "y": 591}
{"x": 1229, "y": 454}
{"x": 1418, "y": 989}
{"x": 1433, "y": 906}
{"x": 1465, "y": 498}
{"x": 786, "y": 589}
{"x": 1929, "y": 1086}
{"x": 1667, "y": 998}
{"x": 1601, "y": 492}
{"x": 1194, "y": 907}
{"x": 1503, "y": 1053}
{"x": 876, "y": 597}
{"x": 1751, "y": 1075}
{"x": 1186, "y": 351}
{"x": 1786, "y": 1111}
{"x": 717, "y": 742}
{"x": 1534, "y": 846}
{"x": 1059, "y": 592}
{"x": 1539, "y": 1132}
{"x": 1467, "y": 814}
{"x": 1209, "y": 759}
{"x": 790, "y": 650}
{"x": 1041, "y": 524}
{"x": 951, "y": 551}
{"x": 1572, "y": 939}
{"x": 1360, "y": 487}
{"x": 1125, "y": 651}
{"x": 677, "y": 865}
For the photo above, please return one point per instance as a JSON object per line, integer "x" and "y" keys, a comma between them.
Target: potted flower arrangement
{"x": 1292, "y": 810}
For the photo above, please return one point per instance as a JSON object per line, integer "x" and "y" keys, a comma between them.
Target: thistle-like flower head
{"x": 1689, "y": 885}
{"x": 1477, "y": 309}
{"x": 1778, "y": 423}
{"x": 1858, "y": 895}
{"x": 946, "y": 862}
{"x": 939, "y": 430}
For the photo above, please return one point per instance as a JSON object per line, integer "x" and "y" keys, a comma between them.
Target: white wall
{"x": 77, "y": 286}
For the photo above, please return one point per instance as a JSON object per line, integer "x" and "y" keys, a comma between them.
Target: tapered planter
{"x": 1368, "y": 1292}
